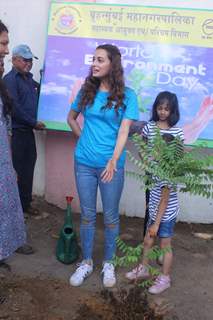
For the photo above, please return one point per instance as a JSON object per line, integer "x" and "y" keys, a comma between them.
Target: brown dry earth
{"x": 37, "y": 287}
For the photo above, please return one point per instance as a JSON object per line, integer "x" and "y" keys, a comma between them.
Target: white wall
{"x": 27, "y": 23}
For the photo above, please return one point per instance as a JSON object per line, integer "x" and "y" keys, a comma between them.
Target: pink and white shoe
{"x": 161, "y": 283}
{"x": 139, "y": 272}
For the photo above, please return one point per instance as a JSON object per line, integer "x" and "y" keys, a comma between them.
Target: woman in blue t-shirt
{"x": 108, "y": 108}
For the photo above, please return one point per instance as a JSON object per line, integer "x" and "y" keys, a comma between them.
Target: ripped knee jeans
{"x": 88, "y": 179}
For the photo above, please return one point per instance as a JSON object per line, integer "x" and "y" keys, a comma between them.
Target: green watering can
{"x": 67, "y": 250}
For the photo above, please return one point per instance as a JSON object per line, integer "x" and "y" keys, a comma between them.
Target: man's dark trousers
{"x": 24, "y": 158}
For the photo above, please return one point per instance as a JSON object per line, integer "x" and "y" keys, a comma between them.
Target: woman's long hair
{"x": 6, "y": 100}
{"x": 115, "y": 80}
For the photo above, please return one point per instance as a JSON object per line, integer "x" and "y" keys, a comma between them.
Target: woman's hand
{"x": 109, "y": 171}
{"x": 153, "y": 230}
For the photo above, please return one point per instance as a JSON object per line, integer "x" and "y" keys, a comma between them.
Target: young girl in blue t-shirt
{"x": 163, "y": 202}
{"x": 108, "y": 108}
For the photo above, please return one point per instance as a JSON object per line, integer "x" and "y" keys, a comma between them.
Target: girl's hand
{"x": 153, "y": 230}
{"x": 108, "y": 172}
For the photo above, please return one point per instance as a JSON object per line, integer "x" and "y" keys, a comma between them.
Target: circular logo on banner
{"x": 67, "y": 19}
{"x": 208, "y": 27}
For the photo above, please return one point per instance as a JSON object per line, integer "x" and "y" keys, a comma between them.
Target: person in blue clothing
{"x": 108, "y": 108}
{"x": 24, "y": 92}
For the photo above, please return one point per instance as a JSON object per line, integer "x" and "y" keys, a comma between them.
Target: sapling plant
{"x": 185, "y": 170}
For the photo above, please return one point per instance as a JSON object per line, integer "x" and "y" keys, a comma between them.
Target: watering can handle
{"x": 69, "y": 199}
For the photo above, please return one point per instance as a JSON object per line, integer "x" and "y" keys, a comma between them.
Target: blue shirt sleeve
{"x": 131, "y": 101}
{"x": 18, "y": 111}
{"x": 74, "y": 106}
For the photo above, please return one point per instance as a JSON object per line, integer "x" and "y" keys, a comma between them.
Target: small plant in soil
{"x": 188, "y": 171}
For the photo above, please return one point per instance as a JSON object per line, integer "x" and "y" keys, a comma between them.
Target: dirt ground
{"x": 37, "y": 287}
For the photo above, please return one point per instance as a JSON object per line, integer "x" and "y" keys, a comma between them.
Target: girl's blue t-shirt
{"x": 99, "y": 134}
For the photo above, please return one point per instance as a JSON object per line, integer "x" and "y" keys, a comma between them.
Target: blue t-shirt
{"x": 98, "y": 137}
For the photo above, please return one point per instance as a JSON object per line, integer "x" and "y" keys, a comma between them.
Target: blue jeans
{"x": 87, "y": 180}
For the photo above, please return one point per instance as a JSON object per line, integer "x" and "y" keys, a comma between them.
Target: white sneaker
{"x": 108, "y": 271}
{"x": 82, "y": 272}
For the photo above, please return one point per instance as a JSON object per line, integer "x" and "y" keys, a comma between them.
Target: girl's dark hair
{"x": 172, "y": 100}
{"x": 3, "y": 28}
{"x": 115, "y": 81}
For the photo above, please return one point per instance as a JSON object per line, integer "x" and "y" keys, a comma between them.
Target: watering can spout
{"x": 67, "y": 250}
